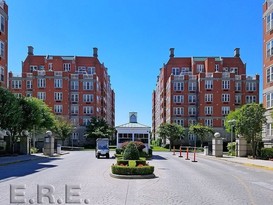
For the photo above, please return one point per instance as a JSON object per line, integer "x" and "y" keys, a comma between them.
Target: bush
{"x": 33, "y": 150}
{"x": 126, "y": 162}
{"x": 231, "y": 148}
{"x": 131, "y": 152}
{"x": 140, "y": 146}
{"x": 118, "y": 150}
{"x": 125, "y": 170}
{"x": 267, "y": 153}
{"x": 150, "y": 152}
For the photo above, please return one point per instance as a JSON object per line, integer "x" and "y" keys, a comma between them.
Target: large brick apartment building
{"x": 201, "y": 90}
{"x": 76, "y": 87}
{"x": 3, "y": 44}
{"x": 268, "y": 70}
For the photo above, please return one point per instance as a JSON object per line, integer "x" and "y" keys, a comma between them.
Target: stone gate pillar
{"x": 49, "y": 144}
{"x": 217, "y": 145}
{"x": 241, "y": 147}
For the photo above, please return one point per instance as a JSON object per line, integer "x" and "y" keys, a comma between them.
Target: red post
{"x": 180, "y": 151}
{"x": 187, "y": 158}
{"x": 173, "y": 150}
{"x": 194, "y": 155}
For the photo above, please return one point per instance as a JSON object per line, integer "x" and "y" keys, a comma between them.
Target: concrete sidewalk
{"x": 265, "y": 164}
{"x": 22, "y": 158}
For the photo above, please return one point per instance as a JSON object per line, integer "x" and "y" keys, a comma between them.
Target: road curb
{"x": 148, "y": 176}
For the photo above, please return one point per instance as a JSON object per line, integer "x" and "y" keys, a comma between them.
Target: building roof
{"x": 132, "y": 125}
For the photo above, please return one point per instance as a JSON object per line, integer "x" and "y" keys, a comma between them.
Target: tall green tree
{"x": 63, "y": 128}
{"x": 170, "y": 131}
{"x": 201, "y": 132}
{"x": 98, "y": 128}
{"x": 250, "y": 120}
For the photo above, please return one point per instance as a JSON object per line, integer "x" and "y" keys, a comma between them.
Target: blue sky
{"x": 134, "y": 37}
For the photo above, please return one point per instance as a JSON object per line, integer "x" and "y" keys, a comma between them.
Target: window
{"x": 18, "y": 95}
{"x": 66, "y": 66}
{"x": 250, "y": 99}
{"x": 29, "y": 84}
{"x": 200, "y": 68}
{"x": 237, "y": 86}
{"x": 208, "y": 97}
{"x": 58, "y": 83}
{"x": 86, "y": 121}
{"x": 2, "y": 74}
{"x": 41, "y": 83}
{"x": 32, "y": 68}
{"x": 192, "y": 98}
{"x": 250, "y": 86}
{"x": 58, "y": 96}
{"x": 269, "y": 100}
{"x": 41, "y": 95}
{"x": 225, "y": 110}
{"x": 225, "y": 84}
{"x": 58, "y": 108}
{"x": 179, "y": 122}
{"x": 87, "y": 109}
{"x": 238, "y": 99}
{"x": 29, "y": 94}
{"x": 74, "y": 109}
{"x": 192, "y": 86}
{"x": 269, "y": 48}
{"x": 74, "y": 97}
{"x": 225, "y": 97}
{"x": 209, "y": 122}
{"x": 178, "y": 98}
{"x": 191, "y": 122}
{"x": 216, "y": 67}
{"x": 269, "y": 22}
{"x": 2, "y": 49}
{"x": 87, "y": 98}
{"x": 50, "y": 66}
{"x": 16, "y": 84}
{"x": 91, "y": 70}
{"x": 234, "y": 70}
{"x": 87, "y": 85}
{"x": 208, "y": 84}
{"x": 75, "y": 136}
{"x": 208, "y": 110}
{"x": 175, "y": 71}
{"x": 179, "y": 111}
{"x": 2, "y": 24}
{"x": 74, "y": 85}
{"x": 192, "y": 110}
{"x": 178, "y": 86}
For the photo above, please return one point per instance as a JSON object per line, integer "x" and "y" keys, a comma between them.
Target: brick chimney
{"x": 171, "y": 52}
{"x": 95, "y": 52}
{"x": 237, "y": 52}
{"x": 30, "y": 50}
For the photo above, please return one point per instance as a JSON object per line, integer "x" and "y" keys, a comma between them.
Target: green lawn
{"x": 162, "y": 149}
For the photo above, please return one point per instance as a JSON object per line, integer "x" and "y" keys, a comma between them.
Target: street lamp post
{"x": 232, "y": 125}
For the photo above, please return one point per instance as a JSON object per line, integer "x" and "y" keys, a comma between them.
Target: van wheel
{"x": 107, "y": 156}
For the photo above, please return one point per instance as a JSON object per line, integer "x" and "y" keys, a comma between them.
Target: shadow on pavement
{"x": 26, "y": 167}
{"x": 158, "y": 157}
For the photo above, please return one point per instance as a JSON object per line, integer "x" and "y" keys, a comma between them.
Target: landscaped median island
{"x": 130, "y": 166}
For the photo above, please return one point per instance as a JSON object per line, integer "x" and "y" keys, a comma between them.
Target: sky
{"x": 133, "y": 38}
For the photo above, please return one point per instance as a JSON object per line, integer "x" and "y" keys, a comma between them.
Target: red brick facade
{"x": 76, "y": 87}
{"x": 203, "y": 90}
{"x": 3, "y": 44}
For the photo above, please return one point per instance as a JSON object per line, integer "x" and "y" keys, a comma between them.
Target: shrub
{"x": 231, "y": 148}
{"x": 140, "y": 146}
{"x": 150, "y": 152}
{"x": 33, "y": 150}
{"x": 139, "y": 170}
{"x": 267, "y": 153}
{"x": 118, "y": 150}
{"x": 131, "y": 152}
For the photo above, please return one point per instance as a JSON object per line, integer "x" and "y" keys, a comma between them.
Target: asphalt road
{"x": 80, "y": 178}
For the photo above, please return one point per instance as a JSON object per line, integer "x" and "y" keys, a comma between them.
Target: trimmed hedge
{"x": 124, "y": 170}
{"x": 267, "y": 153}
{"x": 140, "y": 145}
{"x": 126, "y": 162}
{"x": 131, "y": 152}
{"x": 119, "y": 150}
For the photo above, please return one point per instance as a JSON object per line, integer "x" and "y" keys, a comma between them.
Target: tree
{"x": 98, "y": 128}
{"x": 62, "y": 128}
{"x": 170, "y": 131}
{"x": 233, "y": 115}
{"x": 250, "y": 120}
{"x": 201, "y": 132}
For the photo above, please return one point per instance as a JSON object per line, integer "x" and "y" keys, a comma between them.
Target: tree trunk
{"x": 253, "y": 146}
